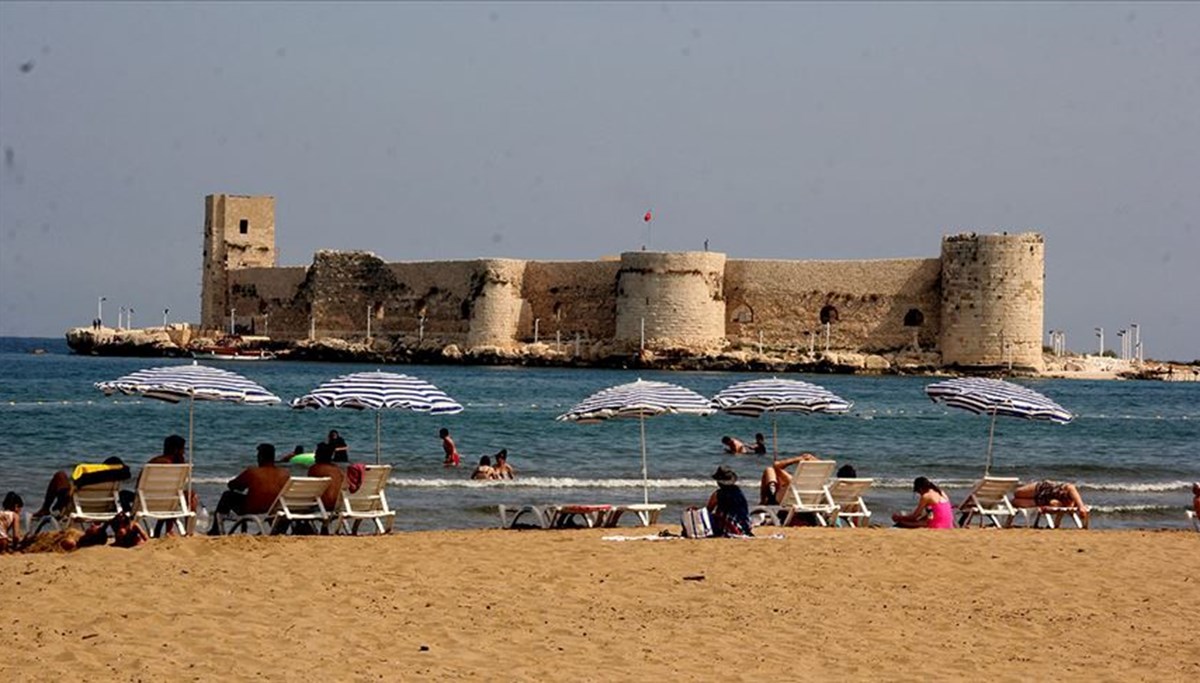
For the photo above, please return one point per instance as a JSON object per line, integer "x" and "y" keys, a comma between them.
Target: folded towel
{"x": 354, "y": 476}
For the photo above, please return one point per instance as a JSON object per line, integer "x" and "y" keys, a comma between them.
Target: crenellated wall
{"x": 679, "y": 296}
{"x": 980, "y": 304}
{"x": 992, "y": 300}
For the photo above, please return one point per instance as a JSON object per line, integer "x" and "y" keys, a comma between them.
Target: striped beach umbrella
{"x": 639, "y": 400}
{"x": 981, "y": 395}
{"x": 379, "y": 391}
{"x": 753, "y": 398}
{"x": 195, "y": 382}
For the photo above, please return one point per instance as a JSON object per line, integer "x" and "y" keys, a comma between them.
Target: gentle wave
{"x": 552, "y": 483}
{"x": 1131, "y": 509}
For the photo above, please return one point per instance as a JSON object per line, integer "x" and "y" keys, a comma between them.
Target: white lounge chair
{"x": 645, "y": 513}
{"x": 808, "y": 493}
{"x": 94, "y": 503}
{"x": 536, "y": 517}
{"x": 162, "y": 496}
{"x": 299, "y": 501}
{"x": 847, "y": 495}
{"x": 368, "y": 503}
{"x": 1195, "y": 520}
{"x": 1053, "y": 516}
{"x": 988, "y": 501}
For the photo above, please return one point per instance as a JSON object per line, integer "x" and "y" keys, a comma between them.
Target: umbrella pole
{"x": 991, "y": 433}
{"x": 645, "y": 476}
{"x": 775, "y": 436}
{"x": 191, "y": 440}
{"x": 378, "y": 418}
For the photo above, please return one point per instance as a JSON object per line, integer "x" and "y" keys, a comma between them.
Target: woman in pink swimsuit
{"x": 933, "y": 510}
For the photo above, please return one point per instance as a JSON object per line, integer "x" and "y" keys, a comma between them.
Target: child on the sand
{"x": 10, "y": 521}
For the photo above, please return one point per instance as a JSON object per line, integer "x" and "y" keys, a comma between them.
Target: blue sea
{"x": 1133, "y": 449}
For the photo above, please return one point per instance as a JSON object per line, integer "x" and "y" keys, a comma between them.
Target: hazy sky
{"x": 545, "y": 131}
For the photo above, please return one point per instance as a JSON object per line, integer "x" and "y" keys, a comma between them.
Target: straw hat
{"x": 725, "y": 475}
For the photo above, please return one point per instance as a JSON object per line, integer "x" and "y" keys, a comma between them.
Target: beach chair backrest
{"x": 97, "y": 499}
{"x": 849, "y": 491}
{"x": 991, "y": 490}
{"x": 302, "y": 496}
{"x": 809, "y": 483}
{"x": 161, "y": 488}
{"x": 370, "y": 496}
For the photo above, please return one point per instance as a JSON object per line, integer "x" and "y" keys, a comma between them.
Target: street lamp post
{"x": 232, "y": 324}
{"x": 165, "y": 312}
{"x": 129, "y": 318}
{"x": 100, "y": 310}
{"x": 1100, "y": 334}
{"x": 120, "y": 317}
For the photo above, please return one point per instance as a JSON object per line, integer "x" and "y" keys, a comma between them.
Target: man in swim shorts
{"x": 452, "y": 457}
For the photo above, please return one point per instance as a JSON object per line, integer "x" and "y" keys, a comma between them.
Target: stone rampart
{"x": 992, "y": 300}
{"x": 871, "y": 305}
{"x": 572, "y": 297}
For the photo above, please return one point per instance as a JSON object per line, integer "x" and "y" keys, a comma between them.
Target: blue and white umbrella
{"x": 640, "y": 399}
{"x": 754, "y": 397}
{"x": 378, "y": 391}
{"x": 997, "y": 397}
{"x": 195, "y": 382}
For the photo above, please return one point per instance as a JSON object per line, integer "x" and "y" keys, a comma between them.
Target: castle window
{"x": 743, "y": 314}
{"x": 829, "y": 314}
{"x": 914, "y": 318}
{"x": 244, "y": 226}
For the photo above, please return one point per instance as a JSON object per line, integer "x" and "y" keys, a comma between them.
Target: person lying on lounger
{"x": 933, "y": 510}
{"x": 61, "y": 489}
{"x": 1048, "y": 493}
{"x": 254, "y": 490}
{"x": 776, "y": 479}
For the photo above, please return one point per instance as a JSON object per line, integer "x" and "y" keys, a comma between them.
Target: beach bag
{"x": 696, "y": 523}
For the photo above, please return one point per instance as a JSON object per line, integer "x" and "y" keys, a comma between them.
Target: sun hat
{"x": 725, "y": 475}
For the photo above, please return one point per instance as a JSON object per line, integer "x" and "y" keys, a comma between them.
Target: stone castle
{"x": 979, "y": 304}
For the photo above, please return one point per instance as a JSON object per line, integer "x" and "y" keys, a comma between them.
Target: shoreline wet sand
{"x": 567, "y": 605}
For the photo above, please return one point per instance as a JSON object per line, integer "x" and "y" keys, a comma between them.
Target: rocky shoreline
{"x": 179, "y": 341}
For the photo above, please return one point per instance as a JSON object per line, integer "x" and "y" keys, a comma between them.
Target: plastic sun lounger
{"x": 807, "y": 494}
{"x": 539, "y": 517}
{"x": 847, "y": 495}
{"x": 162, "y": 496}
{"x": 645, "y": 513}
{"x": 1053, "y": 516}
{"x": 368, "y": 503}
{"x": 989, "y": 501}
{"x": 1195, "y": 520}
{"x": 299, "y": 501}
{"x": 94, "y": 503}
{"x": 574, "y": 516}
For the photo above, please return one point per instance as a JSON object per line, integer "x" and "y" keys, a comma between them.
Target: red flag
{"x": 647, "y": 217}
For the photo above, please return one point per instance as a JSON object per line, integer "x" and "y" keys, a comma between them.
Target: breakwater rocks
{"x": 181, "y": 340}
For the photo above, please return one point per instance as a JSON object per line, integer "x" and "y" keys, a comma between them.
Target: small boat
{"x": 231, "y": 353}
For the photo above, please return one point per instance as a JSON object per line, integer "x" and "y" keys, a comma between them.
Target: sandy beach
{"x": 567, "y": 605}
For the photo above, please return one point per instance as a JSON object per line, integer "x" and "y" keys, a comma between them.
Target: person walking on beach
{"x": 254, "y": 490}
{"x": 452, "y": 458}
{"x": 502, "y": 468}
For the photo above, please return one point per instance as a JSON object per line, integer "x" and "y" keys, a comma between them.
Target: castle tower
{"x": 239, "y": 232}
{"x": 679, "y": 295}
{"x": 495, "y": 302}
{"x": 993, "y": 300}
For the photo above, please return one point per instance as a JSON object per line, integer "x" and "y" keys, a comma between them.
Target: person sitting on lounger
{"x": 1046, "y": 493}
{"x": 502, "y": 468}
{"x": 484, "y": 470}
{"x": 933, "y": 510}
{"x": 727, "y": 505}
{"x": 61, "y": 488}
{"x": 760, "y": 444}
{"x": 776, "y": 479}
{"x": 254, "y": 490}
{"x": 323, "y": 467}
{"x": 734, "y": 446}
{"x": 847, "y": 472}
